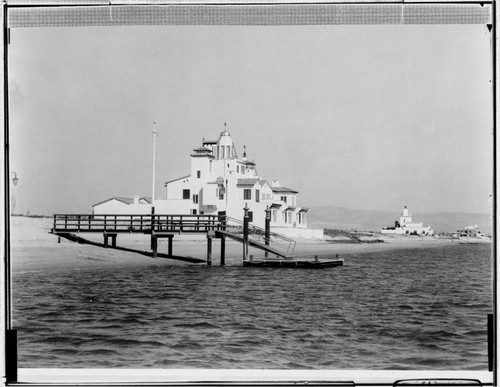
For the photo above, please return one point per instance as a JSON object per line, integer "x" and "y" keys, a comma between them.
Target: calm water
{"x": 402, "y": 309}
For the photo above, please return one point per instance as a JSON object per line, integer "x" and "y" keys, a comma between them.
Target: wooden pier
{"x": 160, "y": 226}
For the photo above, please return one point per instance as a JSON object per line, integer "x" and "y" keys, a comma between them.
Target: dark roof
{"x": 290, "y": 208}
{"x": 202, "y": 149}
{"x": 247, "y": 182}
{"x": 306, "y": 210}
{"x": 179, "y": 178}
{"x": 275, "y": 205}
{"x": 123, "y": 200}
{"x": 209, "y": 142}
{"x": 283, "y": 190}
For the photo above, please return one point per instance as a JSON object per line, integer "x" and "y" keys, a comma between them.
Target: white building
{"x": 220, "y": 182}
{"x": 121, "y": 205}
{"x": 407, "y": 226}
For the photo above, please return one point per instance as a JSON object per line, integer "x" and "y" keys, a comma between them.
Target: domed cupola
{"x": 225, "y": 145}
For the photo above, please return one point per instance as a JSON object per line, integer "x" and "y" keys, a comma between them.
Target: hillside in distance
{"x": 370, "y": 220}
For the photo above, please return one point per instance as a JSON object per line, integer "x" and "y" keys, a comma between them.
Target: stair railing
{"x": 258, "y": 234}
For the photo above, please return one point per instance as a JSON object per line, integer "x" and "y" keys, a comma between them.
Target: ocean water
{"x": 401, "y": 309}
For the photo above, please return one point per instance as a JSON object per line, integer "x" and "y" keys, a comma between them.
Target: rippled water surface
{"x": 400, "y": 309}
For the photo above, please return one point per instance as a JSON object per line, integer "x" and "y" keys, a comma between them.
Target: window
{"x": 247, "y": 194}
{"x": 238, "y": 169}
{"x": 195, "y": 199}
{"x": 222, "y": 152}
{"x": 228, "y": 152}
{"x": 283, "y": 199}
{"x": 275, "y": 216}
{"x": 198, "y": 174}
{"x": 257, "y": 195}
{"x": 186, "y": 194}
{"x": 193, "y": 212}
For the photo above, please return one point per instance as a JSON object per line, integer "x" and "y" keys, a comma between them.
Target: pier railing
{"x": 137, "y": 223}
{"x": 276, "y": 241}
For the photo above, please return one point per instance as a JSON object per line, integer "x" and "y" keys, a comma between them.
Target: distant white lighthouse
{"x": 407, "y": 226}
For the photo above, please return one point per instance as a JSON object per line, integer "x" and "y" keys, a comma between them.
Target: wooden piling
{"x": 246, "y": 221}
{"x": 267, "y": 232}
{"x": 170, "y": 245}
{"x": 222, "y": 250}
{"x": 154, "y": 246}
{"x": 209, "y": 250}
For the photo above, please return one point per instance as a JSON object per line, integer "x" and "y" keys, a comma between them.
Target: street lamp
{"x": 15, "y": 179}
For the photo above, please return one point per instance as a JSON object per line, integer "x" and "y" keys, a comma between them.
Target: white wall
{"x": 174, "y": 207}
{"x": 120, "y": 208}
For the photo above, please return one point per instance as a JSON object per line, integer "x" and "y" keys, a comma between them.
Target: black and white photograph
{"x": 275, "y": 187}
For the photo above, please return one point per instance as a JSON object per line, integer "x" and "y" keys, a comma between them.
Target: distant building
{"x": 471, "y": 232}
{"x": 405, "y": 225}
{"x": 121, "y": 205}
{"x": 221, "y": 183}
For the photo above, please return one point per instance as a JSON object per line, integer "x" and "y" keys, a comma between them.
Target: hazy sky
{"x": 366, "y": 117}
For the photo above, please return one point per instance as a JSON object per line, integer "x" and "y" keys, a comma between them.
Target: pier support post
{"x": 222, "y": 250}
{"x": 154, "y": 246}
{"x": 170, "y": 245}
{"x": 267, "y": 232}
{"x": 209, "y": 250}
{"x": 245, "y": 232}
{"x": 106, "y": 239}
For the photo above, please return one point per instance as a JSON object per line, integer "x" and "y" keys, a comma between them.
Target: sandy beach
{"x": 35, "y": 248}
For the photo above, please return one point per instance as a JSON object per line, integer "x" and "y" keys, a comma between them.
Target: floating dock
{"x": 300, "y": 263}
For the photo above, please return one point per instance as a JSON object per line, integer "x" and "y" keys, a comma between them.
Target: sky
{"x": 365, "y": 117}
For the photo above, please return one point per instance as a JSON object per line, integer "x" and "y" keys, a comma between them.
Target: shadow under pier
{"x": 79, "y": 239}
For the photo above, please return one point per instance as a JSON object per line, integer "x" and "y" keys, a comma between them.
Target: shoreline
{"x": 35, "y": 248}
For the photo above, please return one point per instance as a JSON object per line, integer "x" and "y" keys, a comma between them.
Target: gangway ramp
{"x": 258, "y": 237}
{"x": 253, "y": 243}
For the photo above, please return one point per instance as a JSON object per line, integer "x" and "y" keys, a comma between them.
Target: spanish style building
{"x": 405, "y": 225}
{"x": 221, "y": 183}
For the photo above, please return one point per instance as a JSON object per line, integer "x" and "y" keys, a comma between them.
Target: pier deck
{"x": 145, "y": 224}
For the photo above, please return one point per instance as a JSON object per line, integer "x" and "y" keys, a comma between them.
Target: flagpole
{"x": 154, "y": 167}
